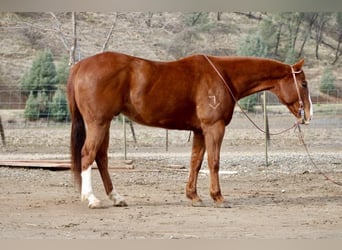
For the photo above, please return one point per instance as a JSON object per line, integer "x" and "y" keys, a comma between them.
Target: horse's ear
{"x": 298, "y": 66}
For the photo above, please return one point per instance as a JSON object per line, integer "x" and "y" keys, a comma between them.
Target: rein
{"x": 240, "y": 107}
{"x": 296, "y": 125}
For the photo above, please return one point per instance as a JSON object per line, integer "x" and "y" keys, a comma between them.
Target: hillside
{"x": 157, "y": 36}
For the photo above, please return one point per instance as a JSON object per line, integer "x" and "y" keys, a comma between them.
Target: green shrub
{"x": 253, "y": 45}
{"x": 59, "y": 107}
{"x": 291, "y": 56}
{"x": 249, "y": 102}
{"x": 328, "y": 81}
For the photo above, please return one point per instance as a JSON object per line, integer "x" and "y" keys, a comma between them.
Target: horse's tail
{"x": 78, "y": 132}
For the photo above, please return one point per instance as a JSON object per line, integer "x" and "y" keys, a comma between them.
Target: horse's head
{"x": 294, "y": 93}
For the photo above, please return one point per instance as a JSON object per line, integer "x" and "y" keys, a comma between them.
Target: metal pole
{"x": 125, "y": 138}
{"x": 266, "y": 128}
{"x": 167, "y": 141}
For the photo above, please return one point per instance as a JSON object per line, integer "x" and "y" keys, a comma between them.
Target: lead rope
{"x": 295, "y": 125}
{"x": 238, "y": 104}
{"x": 301, "y": 139}
{"x": 300, "y": 133}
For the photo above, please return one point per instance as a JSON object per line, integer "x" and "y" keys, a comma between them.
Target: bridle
{"x": 301, "y": 110}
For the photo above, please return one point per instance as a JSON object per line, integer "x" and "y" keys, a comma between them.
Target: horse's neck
{"x": 249, "y": 76}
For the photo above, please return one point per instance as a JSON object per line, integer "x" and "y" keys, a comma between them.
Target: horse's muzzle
{"x": 304, "y": 121}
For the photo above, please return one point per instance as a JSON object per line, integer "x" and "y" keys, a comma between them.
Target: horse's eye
{"x": 304, "y": 84}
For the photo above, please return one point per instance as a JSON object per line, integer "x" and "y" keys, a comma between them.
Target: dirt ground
{"x": 289, "y": 199}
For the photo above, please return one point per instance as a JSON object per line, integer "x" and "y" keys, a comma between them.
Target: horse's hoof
{"x": 121, "y": 203}
{"x": 221, "y": 205}
{"x": 95, "y": 204}
{"x": 198, "y": 203}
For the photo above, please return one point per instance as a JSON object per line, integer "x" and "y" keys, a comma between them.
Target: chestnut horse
{"x": 196, "y": 93}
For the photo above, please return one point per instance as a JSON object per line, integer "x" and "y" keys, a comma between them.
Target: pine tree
{"x": 59, "y": 106}
{"x": 63, "y": 71}
{"x": 32, "y": 108}
{"x": 42, "y": 75}
{"x": 43, "y": 104}
{"x": 40, "y": 83}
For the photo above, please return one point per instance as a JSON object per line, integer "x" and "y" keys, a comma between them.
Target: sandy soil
{"x": 288, "y": 199}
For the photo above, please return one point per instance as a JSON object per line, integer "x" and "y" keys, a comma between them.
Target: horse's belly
{"x": 163, "y": 119}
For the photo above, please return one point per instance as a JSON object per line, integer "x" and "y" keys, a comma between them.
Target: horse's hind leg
{"x": 94, "y": 140}
{"x": 102, "y": 163}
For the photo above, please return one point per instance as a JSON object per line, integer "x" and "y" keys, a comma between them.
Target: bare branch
{"x": 104, "y": 47}
{"x": 60, "y": 31}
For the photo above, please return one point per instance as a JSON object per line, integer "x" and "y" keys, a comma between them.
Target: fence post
{"x": 266, "y": 127}
{"x": 2, "y": 132}
{"x": 125, "y": 137}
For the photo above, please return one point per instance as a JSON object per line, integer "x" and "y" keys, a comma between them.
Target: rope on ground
{"x": 301, "y": 139}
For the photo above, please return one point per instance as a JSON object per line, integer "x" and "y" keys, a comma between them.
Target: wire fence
{"x": 49, "y": 135}
{"x": 13, "y": 108}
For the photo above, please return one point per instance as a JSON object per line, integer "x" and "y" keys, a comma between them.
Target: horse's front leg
{"x": 213, "y": 140}
{"x": 102, "y": 163}
{"x": 198, "y": 149}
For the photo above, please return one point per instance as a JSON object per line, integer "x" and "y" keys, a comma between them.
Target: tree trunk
{"x": 322, "y": 20}
{"x": 338, "y": 50}
{"x": 318, "y": 40}
{"x": 2, "y": 132}
{"x": 71, "y": 49}
{"x": 219, "y": 14}
{"x": 278, "y": 40}
{"x": 307, "y": 33}
{"x": 296, "y": 33}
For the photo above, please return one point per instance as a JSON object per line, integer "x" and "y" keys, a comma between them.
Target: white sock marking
{"x": 87, "y": 190}
{"x": 116, "y": 197}
{"x": 86, "y": 183}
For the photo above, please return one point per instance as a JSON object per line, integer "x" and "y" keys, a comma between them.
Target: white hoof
{"x": 93, "y": 202}
{"x": 119, "y": 201}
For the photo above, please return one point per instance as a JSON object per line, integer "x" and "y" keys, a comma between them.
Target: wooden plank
{"x": 58, "y": 164}
{"x": 45, "y": 164}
